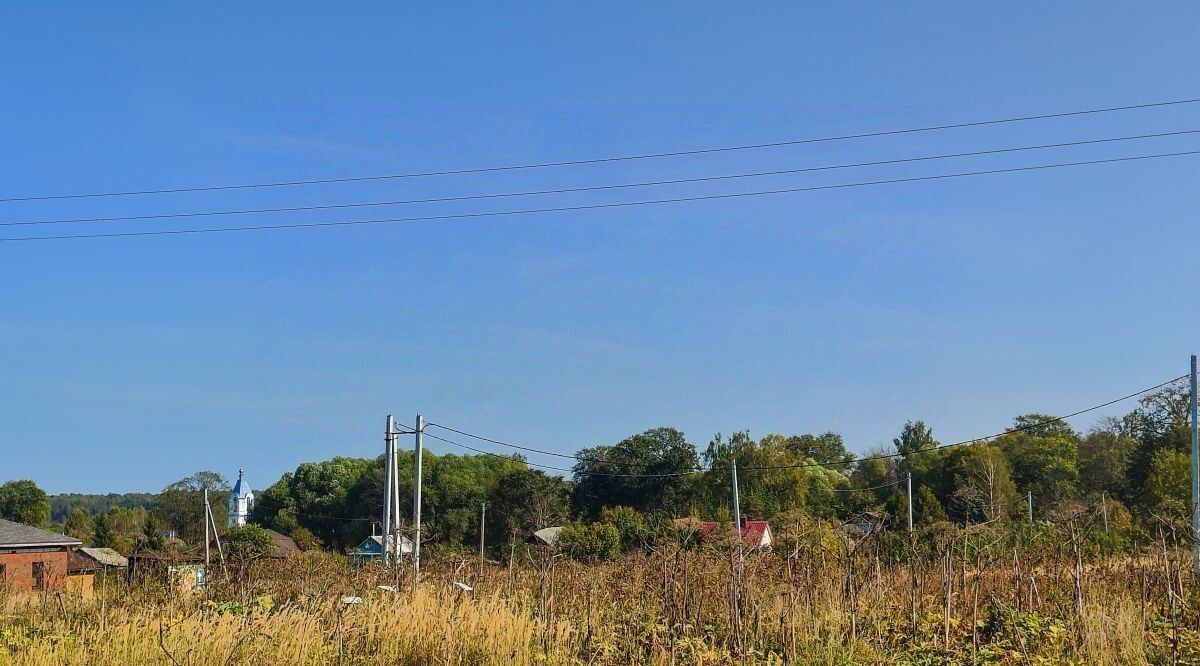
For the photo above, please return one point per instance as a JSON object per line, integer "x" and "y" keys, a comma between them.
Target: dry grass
{"x": 808, "y": 603}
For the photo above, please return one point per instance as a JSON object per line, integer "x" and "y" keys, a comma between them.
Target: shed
{"x": 182, "y": 571}
{"x": 371, "y": 549}
{"x": 32, "y": 559}
{"x": 81, "y": 574}
{"x": 755, "y": 533}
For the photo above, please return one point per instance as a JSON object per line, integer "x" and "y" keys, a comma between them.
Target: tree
{"x": 914, "y": 436}
{"x": 774, "y": 479}
{"x": 102, "y": 535}
{"x": 1168, "y": 484}
{"x": 827, "y": 449}
{"x": 524, "y": 501}
{"x": 23, "y": 502}
{"x": 246, "y": 542}
{"x": 983, "y": 489}
{"x": 659, "y": 457}
{"x": 589, "y": 543}
{"x": 926, "y": 507}
{"x": 1159, "y": 423}
{"x": 630, "y": 525}
{"x": 1105, "y": 455}
{"x": 80, "y": 525}
{"x": 1043, "y": 458}
{"x": 321, "y": 496}
{"x": 180, "y": 506}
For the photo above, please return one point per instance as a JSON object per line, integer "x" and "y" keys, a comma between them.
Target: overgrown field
{"x": 823, "y": 595}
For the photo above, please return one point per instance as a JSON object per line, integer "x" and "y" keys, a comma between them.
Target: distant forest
{"x": 62, "y": 505}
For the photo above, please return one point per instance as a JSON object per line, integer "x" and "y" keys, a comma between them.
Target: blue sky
{"x": 129, "y": 363}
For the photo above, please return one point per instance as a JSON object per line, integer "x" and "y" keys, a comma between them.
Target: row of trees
{"x": 1140, "y": 461}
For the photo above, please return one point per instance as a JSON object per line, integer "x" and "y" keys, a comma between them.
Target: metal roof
{"x": 16, "y": 535}
{"x": 106, "y": 556}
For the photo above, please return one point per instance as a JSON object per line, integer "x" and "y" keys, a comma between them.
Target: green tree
{"x": 21, "y": 501}
{"x": 80, "y": 525}
{"x": 983, "y": 489}
{"x": 926, "y": 507}
{"x": 660, "y": 457}
{"x": 180, "y": 506}
{"x": 246, "y": 542}
{"x": 321, "y": 497}
{"x": 773, "y": 478}
{"x": 1044, "y": 459}
{"x": 1168, "y": 485}
{"x": 524, "y": 501}
{"x": 1159, "y": 423}
{"x": 1105, "y": 455}
{"x": 102, "y": 535}
{"x": 914, "y": 436}
{"x": 827, "y": 449}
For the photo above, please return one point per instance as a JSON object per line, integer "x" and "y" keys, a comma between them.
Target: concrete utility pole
{"x": 389, "y": 465}
{"x": 207, "y": 537}
{"x": 910, "y": 500}
{"x": 1029, "y": 501}
{"x": 737, "y": 508}
{"x": 420, "y": 432}
{"x": 1195, "y": 476}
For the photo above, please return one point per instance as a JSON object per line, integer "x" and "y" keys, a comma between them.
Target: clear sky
{"x": 128, "y": 363}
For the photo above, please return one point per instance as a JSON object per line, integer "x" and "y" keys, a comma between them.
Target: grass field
{"x": 980, "y": 596}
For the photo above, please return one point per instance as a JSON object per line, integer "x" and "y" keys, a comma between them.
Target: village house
{"x": 32, "y": 559}
{"x": 755, "y": 533}
{"x": 371, "y": 549}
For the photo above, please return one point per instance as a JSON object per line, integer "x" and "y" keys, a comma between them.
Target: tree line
{"x": 1138, "y": 463}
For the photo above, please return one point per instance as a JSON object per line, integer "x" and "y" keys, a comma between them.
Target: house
{"x": 755, "y": 533}
{"x": 32, "y": 559}
{"x": 371, "y": 549}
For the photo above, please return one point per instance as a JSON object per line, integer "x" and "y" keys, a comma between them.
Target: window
{"x": 39, "y": 575}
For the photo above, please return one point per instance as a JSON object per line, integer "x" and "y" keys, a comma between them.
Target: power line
{"x": 601, "y": 160}
{"x": 593, "y": 188}
{"x": 559, "y": 469}
{"x": 559, "y": 209}
{"x": 854, "y": 461}
{"x": 854, "y": 490}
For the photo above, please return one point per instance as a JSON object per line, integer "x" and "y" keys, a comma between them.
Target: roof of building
{"x": 77, "y": 562}
{"x": 16, "y": 535}
{"x": 546, "y": 536}
{"x": 105, "y": 556}
{"x": 284, "y": 545}
{"x": 754, "y": 532}
{"x": 373, "y": 545}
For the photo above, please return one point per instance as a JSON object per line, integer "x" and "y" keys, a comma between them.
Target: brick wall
{"x": 18, "y": 569}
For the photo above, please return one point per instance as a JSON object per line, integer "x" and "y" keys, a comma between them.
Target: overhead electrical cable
{"x": 599, "y": 206}
{"x": 602, "y": 160}
{"x": 592, "y": 188}
{"x": 835, "y": 465}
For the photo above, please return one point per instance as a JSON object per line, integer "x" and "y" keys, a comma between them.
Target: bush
{"x": 590, "y": 543}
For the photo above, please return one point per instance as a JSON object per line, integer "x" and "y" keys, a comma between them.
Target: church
{"x": 241, "y": 500}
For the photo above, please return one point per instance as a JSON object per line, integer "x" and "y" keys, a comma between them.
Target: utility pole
{"x": 388, "y": 489}
{"x": 1195, "y": 476}
{"x": 482, "y": 516}
{"x": 910, "y": 500}
{"x": 737, "y": 509}
{"x": 1029, "y": 501}
{"x": 420, "y": 432}
{"x": 207, "y": 536}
